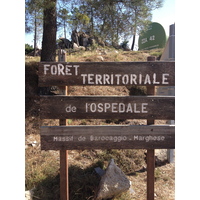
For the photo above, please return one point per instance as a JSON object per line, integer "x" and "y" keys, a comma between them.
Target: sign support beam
{"x": 150, "y": 152}
{"x": 64, "y": 179}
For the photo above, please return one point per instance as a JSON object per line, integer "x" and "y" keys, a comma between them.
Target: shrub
{"x": 28, "y": 49}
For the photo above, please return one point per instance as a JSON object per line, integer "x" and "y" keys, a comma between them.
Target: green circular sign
{"x": 153, "y": 38}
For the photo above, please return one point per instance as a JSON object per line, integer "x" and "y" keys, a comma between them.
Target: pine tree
{"x": 63, "y": 20}
{"x": 140, "y": 14}
{"x": 49, "y": 31}
{"x": 34, "y": 18}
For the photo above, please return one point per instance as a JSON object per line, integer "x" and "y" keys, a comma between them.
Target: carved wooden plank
{"x": 107, "y": 73}
{"x": 107, "y": 107}
{"x": 104, "y": 137}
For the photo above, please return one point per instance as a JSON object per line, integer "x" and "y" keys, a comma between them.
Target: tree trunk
{"x": 49, "y": 37}
{"x": 134, "y": 34}
{"x": 133, "y": 43}
{"x": 65, "y": 34}
{"x": 49, "y": 31}
{"x": 92, "y": 22}
{"x": 35, "y": 35}
{"x": 135, "y": 26}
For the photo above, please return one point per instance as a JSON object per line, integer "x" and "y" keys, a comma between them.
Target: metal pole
{"x": 172, "y": 42}
{"x": 169, "y": 55}
{"x": 171, "y": 152}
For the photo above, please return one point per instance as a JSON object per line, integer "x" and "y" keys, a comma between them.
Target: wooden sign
{"x": 107, "y": 107}
{"x": 108, "y": 137}
{"x": 148, "y": 137}
{"x": 107, "y": 73}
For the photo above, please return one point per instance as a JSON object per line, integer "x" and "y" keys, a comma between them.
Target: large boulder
{"x": 83, "y": 39}
{"x": 112, "y": 183}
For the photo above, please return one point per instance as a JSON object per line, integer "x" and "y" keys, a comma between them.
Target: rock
{"x": 31, "y": 144}
{"x": 100, "y": 58}
{"x": 112, "y": 183}
{"x": 78, "y": 48}
{"x": 99, "y": 171}
{"x": 29, "y": 194}
{"x": 37, "y": 53}
{"x": 34, "y": 144}
{"x": 75, "y": 46}
{"x": 104, "y": 52}
{"x": 82, "y": 48}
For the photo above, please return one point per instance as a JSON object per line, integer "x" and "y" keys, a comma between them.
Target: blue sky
{"x": 165, "y": 16}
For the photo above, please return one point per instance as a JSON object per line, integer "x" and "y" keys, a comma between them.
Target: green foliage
{"x": 111, "y": 20}
{"x": 79, "y": 20}
{"x": 28, "y": 49}
{"x": 34, "y": 19}
{"x": 157, "y": 53}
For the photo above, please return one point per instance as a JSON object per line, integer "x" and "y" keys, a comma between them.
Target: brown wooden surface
{"x": 63, "y": 73}
{"x": 64, "y": 178}
{"x": 150, "y": 152}
{"x": 64, "y": 182}
{"x": 104, "y": 137}
{"x": 54, "y": 107}
{"x": 150, "y": 173}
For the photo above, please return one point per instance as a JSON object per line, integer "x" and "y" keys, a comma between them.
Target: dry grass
{"x": 109, "y": 55}
{"x": 164, "y": 183}
{"x": 112, "y": 55}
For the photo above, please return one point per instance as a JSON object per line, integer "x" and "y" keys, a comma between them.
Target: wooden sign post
{"x": 150, "y": 152}
{"x": 150, "y": 137}
{"x": 64, "y": 178}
